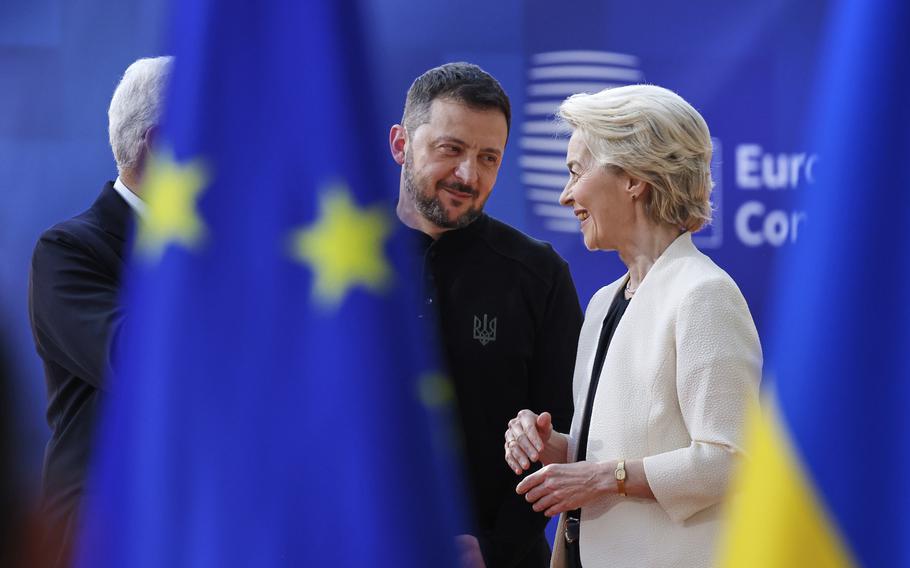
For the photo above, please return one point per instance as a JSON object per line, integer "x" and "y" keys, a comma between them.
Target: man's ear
{"x": 150, "y": 138}
{"x": 149, "y": 141}
{"x": 398, "y": 142}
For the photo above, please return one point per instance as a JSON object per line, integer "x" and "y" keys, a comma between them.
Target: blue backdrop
{"x": 749, "y": 67}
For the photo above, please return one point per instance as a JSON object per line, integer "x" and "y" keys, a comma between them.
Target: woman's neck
{"x": 643, "y": 249}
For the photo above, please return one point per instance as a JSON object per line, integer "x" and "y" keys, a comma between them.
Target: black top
{"x": 614, "y": 314}
{"x": 509, "y": 319}
{"x": 611, "y": 320}
{"x": 75, "y": 313}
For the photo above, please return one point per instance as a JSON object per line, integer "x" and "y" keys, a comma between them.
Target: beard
{"x": 430, "y": 206}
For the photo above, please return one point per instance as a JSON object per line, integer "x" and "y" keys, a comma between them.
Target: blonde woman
{"x": 668, "y": 357}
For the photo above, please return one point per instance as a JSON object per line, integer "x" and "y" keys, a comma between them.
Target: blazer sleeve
{"x": 718, "y": 371}
{"x": 550, "y": 378}
{"x": 74, "y": 306}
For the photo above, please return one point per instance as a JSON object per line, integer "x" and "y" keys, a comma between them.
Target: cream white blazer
{"x": 684, "y": 363}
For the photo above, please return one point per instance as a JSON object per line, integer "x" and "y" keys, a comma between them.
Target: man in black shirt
{"x": 508, "y": 311}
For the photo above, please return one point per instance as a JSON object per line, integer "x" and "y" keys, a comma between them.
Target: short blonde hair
{"x": 652, "y": 134}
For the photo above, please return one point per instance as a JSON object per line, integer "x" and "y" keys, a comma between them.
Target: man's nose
{"x": 466, "y": 172}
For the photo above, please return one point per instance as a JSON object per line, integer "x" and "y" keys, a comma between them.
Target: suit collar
{"x": 114, "y": 213}
{"x": 136, "y": 204}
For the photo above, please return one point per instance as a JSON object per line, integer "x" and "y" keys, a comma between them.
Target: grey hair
{"x": 136, "y": 107}
{"x": 654, "y": 135}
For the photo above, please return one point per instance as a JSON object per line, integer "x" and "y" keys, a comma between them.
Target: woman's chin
{"x": 589, "y": 234}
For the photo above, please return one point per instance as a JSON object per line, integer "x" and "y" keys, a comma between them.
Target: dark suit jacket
{"x": 73, "y": 297}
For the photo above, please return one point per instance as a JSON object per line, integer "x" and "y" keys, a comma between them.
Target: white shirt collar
{"x": 136, "y": 204}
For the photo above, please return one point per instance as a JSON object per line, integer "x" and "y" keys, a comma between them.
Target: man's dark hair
{"x": 461, "y": 82}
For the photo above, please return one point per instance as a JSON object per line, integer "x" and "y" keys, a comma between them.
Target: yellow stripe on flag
{"x": 774, "y": 516}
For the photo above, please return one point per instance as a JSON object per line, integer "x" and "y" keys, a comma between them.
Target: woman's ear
{"x": 637, "y": 188}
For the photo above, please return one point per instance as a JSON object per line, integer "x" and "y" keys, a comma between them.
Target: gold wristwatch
{"x": 620, "y": 474}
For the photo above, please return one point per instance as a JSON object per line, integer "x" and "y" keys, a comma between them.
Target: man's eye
{"x": 491, "y": 159}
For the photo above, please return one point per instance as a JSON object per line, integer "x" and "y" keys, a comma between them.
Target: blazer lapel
{"x": 630, "y": 336}
{"x": 587, "y": 350}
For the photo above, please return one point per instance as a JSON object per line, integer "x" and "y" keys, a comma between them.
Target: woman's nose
{"x": 565, "y": 198}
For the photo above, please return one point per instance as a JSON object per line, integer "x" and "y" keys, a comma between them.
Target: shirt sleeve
{"x": 74, "y": 307}
{"x": 518, "y": 526}
{"x": 554, "y": 352}
{"x": 517, "y": 529}
{"x": 718, "y": 371}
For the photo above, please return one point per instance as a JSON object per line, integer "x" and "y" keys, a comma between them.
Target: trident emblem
{"x": 485, "y": 329}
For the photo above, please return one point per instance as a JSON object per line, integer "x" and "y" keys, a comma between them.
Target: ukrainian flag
{"x": 275, "y": 402}
{"x": 828, "y": 484}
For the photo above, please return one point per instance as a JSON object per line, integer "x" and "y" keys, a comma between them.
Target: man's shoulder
{"x": 98, "y": 221}
{"x": 73, "y": 231}
{"x": 535, "y": 255}
{"x": 82, "y": 233}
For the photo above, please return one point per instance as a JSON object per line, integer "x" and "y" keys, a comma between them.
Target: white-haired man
{"x": 74, "y": 306}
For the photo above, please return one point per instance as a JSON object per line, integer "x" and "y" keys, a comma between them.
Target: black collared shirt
{"x": 509, "y": 318}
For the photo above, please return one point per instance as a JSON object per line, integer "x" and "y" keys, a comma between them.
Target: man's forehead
{"x": 453, "y": 118}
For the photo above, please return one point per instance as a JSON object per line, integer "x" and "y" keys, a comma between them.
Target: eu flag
{"x": 828, "y": 482}
{"x": 275, "y": 402}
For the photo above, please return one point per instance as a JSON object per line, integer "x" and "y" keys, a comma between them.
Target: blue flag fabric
{"x": 275, "y": 402}
{"x": 841, "y": 354}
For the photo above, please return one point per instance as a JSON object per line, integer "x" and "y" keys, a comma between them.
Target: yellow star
{"x": 435, "y": 390}
{"x": 437, "y": 394}
{"x": 170, "y": 191}
{"x": 344, "y": 247}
